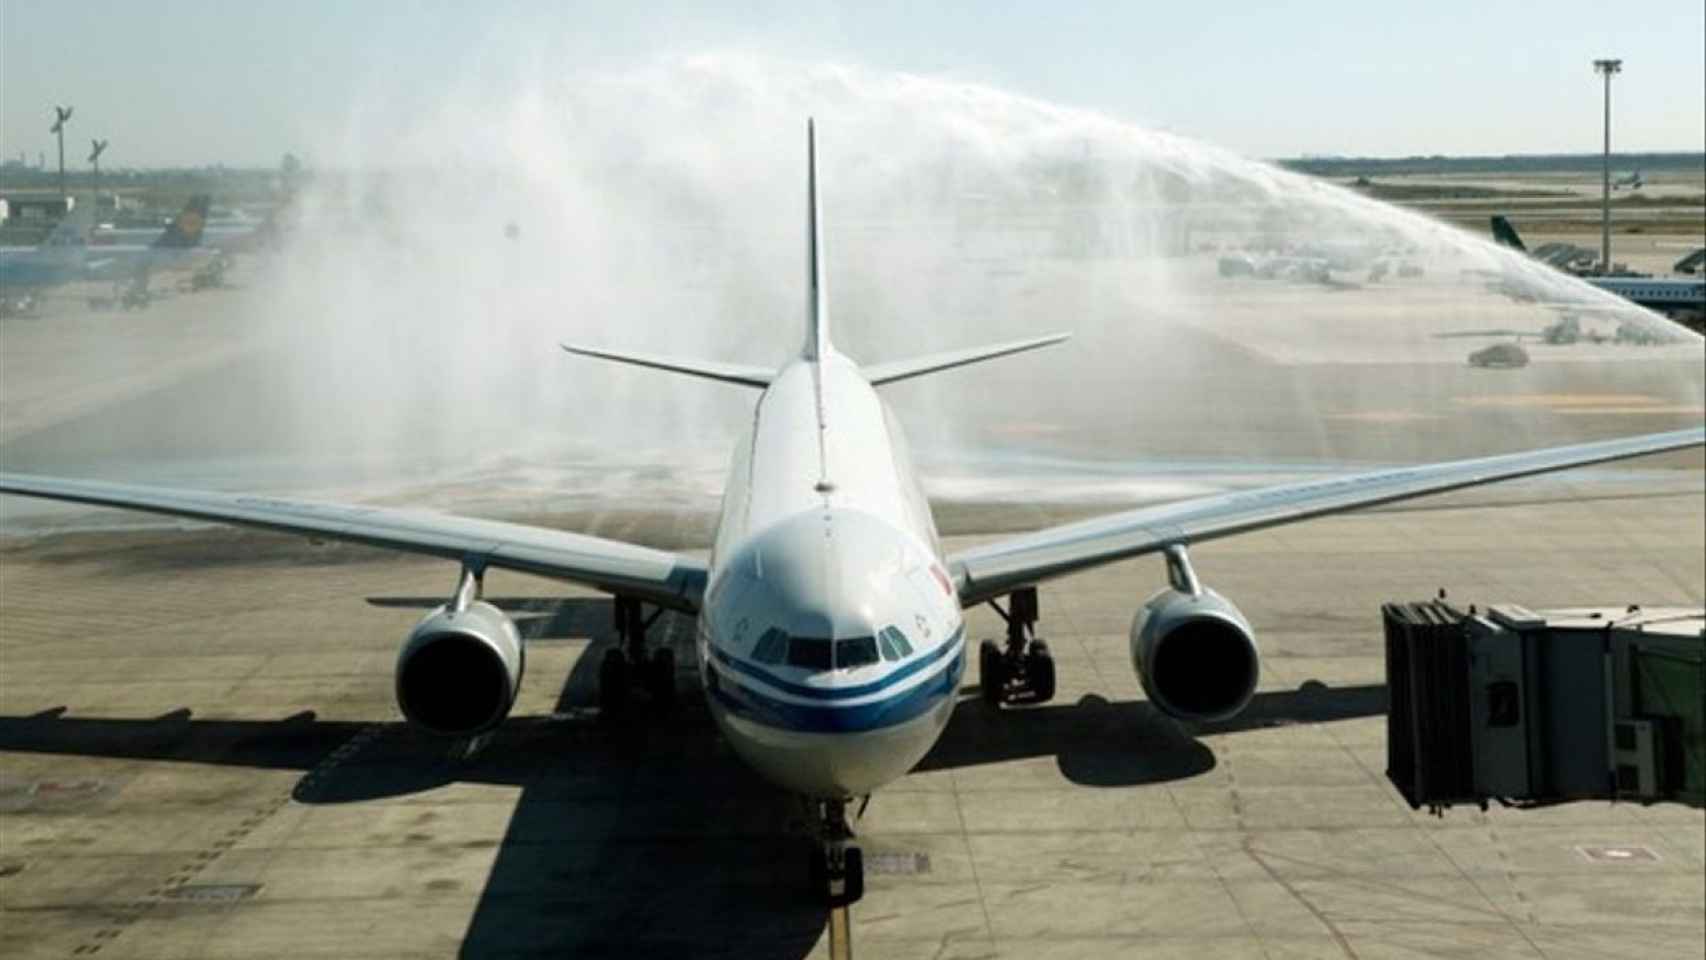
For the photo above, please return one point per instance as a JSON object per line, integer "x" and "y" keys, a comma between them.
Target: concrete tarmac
{"x": 200, "y": 757}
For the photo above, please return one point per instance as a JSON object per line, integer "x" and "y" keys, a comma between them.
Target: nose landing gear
{"x": 1022, "y": 671}
{"x": 835, "y": 866}
{"x": 630, "y": 664}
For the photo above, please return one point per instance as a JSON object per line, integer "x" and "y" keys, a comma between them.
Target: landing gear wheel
{"x": 835, "y": 867}
{"x": 1039, "y": 672}
{"x": 853, "y": 866}
{"x": 992, "y": 672}
{"x": 613, "y": 682}
{"x": 660, "y": 676}
{"x": 825, "y": 878}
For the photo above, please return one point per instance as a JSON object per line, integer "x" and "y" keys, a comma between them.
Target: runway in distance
{"x": 830, "y": 639}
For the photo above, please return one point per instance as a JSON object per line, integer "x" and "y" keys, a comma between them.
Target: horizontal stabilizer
{"x": 881, "y": 373}
{"x": 743, "y": 374}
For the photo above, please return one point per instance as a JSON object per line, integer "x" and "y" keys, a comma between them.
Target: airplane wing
{"x": 657, "y": 576}
{"x": 991, "y": 570}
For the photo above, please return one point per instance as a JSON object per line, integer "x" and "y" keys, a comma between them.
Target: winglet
{"x": 817, "y": 304}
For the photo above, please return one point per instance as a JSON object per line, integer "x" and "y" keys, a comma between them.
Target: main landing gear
{"x": 1022, "y": 671}
{"x": 629, "y": 664}
{"x": 835, "y": 866}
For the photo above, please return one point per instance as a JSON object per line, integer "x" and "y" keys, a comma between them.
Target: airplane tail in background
{"x": 71, "y": 233}
{"x": 186, "y": 228}
{"x": 1505, "y": 235}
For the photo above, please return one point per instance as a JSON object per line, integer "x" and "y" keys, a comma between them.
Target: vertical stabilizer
{"x": 1505, "y": 235}
{"x": 817, "y": 303}
{"x": 185, "y": 229}
{"x": 71, "y": 234}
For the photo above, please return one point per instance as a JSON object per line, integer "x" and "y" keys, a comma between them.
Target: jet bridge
{"x": 1530, "y": 709}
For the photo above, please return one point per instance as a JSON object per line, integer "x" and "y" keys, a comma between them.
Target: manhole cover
{"x": 897, "y": 864}
{"x": 1618, "y": 854}
{"x": 213, "y": 892}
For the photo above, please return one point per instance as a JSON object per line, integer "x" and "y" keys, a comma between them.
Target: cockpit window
{"x": 809, "y": 652}
{"x": 894, "y": 644}
{"x": 771, "y": 647}
{"x": 886, "y": 642}
{"x": 855, "y": 652}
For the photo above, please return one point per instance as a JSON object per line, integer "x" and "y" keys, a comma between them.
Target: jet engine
{"x": 459, "y": 670}
{"x": 1195, "y": 654}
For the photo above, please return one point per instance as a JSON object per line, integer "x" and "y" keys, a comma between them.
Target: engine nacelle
{"x": 1195, "y": 654}
{"x": 459, "y": 671}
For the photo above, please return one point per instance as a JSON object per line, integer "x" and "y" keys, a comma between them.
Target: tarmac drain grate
{"x": 213, "y": 892}
{"x": 897, "y": 864}
{"x": 17, "y": 796}
{"x": 1618, "y": 854}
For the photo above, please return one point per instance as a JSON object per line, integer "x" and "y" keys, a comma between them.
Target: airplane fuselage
{"x": 1661, "y": 294}
{"x": 830, "y": 641}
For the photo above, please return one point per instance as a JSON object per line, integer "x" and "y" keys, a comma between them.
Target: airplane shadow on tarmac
{"x": 647, "y": 836}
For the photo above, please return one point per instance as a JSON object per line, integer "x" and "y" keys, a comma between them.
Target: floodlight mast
{"x": 60, "y": 116}
{"x": 1608, "y": 68}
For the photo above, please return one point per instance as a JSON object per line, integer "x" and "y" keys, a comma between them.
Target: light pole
{"x": 60, "y": 116}
{"x": 1608, "y": 68}
{"x": 96, "y": 148}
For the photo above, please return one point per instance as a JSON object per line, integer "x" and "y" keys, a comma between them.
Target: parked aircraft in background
{"x": 61, "y": 257}
{"x": 830, "y": 638}
{"x": 65, "y": 255}
{"x": 1683, "y": 298}
{"x": 218, "y": 230}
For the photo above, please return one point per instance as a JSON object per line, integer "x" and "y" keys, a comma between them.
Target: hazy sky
{"x": 180, "y": 82}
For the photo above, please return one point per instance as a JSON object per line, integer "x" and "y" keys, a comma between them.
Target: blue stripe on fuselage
{"x": 840, "y": 693}
{"x": 751, "y": 704}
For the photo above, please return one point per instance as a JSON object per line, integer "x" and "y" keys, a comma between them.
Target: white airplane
{"x": 830, "y": 639}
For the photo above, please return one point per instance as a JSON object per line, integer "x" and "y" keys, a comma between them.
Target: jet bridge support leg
{"x": 1022, "y": 670}
{"x": 629, "y": 663}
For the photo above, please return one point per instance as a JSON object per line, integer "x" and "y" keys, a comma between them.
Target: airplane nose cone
{"x": 826, "y": 714}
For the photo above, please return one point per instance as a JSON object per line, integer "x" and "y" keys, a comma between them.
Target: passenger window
{"x": 771, "y": 646}
{"x": 855, "y": 652}
{"x": 808, "y": 652}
